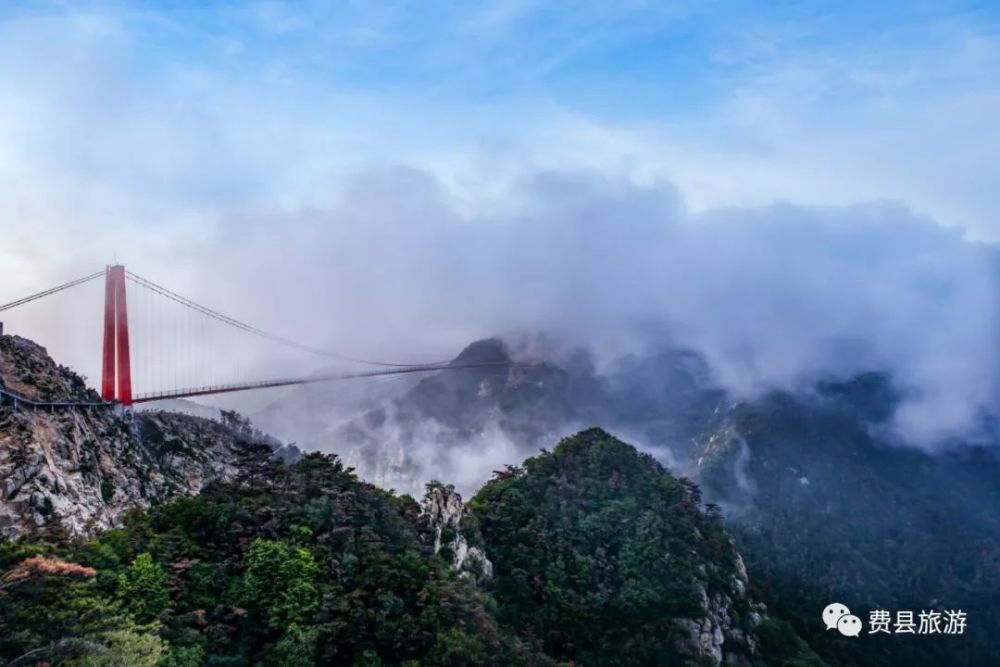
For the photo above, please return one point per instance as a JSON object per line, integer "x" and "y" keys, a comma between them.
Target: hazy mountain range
{"x": 824, "y": 501}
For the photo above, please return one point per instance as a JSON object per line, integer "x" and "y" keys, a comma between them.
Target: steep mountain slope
{"x": 826, "y": 508}
{"x": 460, "y": 425}
{"x": 824, "y": 504}
{"x": 289, "y": 566}
{"x": 418, "y": 434}
{"x": 82, "y": 469}
{"x": 609, "y": 560}
{"x": 303, "y": 564}
{"x": 823, "y": 500}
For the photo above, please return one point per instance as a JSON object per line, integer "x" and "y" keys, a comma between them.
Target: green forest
{"x": 598, "y": 552}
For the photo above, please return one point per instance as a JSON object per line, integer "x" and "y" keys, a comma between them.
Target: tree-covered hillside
{"x": 286, "y": 566}
{"x": 609, "y": 560}
{"x": 826, "y": 507}
{"x": 599, "y": 557}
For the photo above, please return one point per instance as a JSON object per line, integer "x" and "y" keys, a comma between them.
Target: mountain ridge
{"x": 796, "y": 474}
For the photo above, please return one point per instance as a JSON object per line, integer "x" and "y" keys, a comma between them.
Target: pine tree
{"x": 143, "y": 590}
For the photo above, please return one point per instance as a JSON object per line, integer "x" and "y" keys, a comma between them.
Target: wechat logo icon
{"x": 837, "y": 616}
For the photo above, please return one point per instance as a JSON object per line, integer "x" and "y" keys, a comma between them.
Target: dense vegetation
{"x": 603, "y": 559}
{"x": 602, "y": 555}
{"x": 598, "y": 549}
{"x": 289, "y": 565}
{"x": 840, "y": 514}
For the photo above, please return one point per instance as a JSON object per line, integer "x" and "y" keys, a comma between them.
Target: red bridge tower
{"x": 116, "y": 376}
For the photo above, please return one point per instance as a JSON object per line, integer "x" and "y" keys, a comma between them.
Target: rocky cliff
{"x": 83, "y": 468}
{"x": 456, "y": 534}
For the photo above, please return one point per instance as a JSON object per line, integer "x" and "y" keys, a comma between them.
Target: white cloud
{"x": 774, "y": 296}
{"x": 213, "y": 165}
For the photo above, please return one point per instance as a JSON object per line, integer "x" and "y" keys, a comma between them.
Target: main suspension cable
{"x": 59, "y": 288}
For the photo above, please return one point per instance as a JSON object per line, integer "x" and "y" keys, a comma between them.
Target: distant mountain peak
{"x": 483, "y": 351}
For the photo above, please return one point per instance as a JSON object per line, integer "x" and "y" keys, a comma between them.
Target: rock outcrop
{"x": 81, "y": 469}
{"x": 727, "y": 625}
{"x": 454, "y": 532}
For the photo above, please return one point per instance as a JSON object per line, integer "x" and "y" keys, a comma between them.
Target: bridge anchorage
{"x": 162, "y": 354}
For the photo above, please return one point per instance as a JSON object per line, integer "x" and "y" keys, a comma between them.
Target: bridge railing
{"x": 20, "y": 400}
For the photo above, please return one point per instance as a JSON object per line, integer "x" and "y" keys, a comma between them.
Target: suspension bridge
{"x": 180, "y": 353}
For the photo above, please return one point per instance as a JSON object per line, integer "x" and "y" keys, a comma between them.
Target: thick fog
{"x": 774, "y": 297}
{"x": 396, "y": 267}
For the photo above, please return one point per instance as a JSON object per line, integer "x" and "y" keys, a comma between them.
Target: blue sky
{"x": 622, "y": 59}
{"x": 686, "y": 55}
{"x": 188, "y": 138}
{"x": 175, "y": 113}
{"x": 734, "y": 102}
